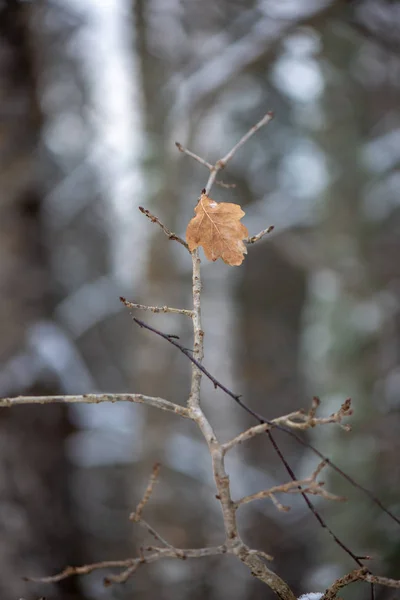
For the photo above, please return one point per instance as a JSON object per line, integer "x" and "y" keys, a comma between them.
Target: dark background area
{"x": 93, "y": 96}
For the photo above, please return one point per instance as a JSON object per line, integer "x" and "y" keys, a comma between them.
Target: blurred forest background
{"x": 93, "y": 95}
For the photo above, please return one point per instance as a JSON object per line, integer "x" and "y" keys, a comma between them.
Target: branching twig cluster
{"x": 310, "y": 485}
{"x": 299, "y": 420}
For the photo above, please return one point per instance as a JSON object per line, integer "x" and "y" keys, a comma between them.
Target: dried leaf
{"x": 217, "y": 228}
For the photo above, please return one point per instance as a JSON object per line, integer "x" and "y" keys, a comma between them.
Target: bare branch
{"x": 131, "y": 564}
{"x": 310, "y": 505}
{"x": 82, "y": 570}
{"x": 246, "y": 435}
{"x": 96, "y": 399}
{"x": 302, "y": 420}
{"x": 255, "y": 238}
{"x": 124, "y": 575}
{"x": 345, "y": 475}
{"x": 310, "y": 485}
{"x": 233, "y": 541}
{"x": 158, "y": 309}
{"x": 290, "y": 487}
{"x": 168, "y": 233}
{"x": 264, "y": 121}
{"x": 159, "y": 553}
{"x": 222, "y": 162}
{"x": 154, "y": 533}
{"x": 194, "y": 156}
{"x": 198, "y": 334}
{"x": 137, "y": 515}
{"x": 203, "y": 162}
{"x": 200, "y": 367}
{"x": 295, "y": 420}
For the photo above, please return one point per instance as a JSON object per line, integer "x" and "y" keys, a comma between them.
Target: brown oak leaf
{"x": 217, "y": 228}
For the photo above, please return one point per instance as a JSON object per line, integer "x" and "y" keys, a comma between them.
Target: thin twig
{"x": 222, "y": 162}
{"x": 292, "y": 487}
{"x": 245, "y": 436}
{"x": 168, "y": 233}
{"x": 294, "y": 420}
{"x": 194, "y": 156}
{"x": 124, "y": 575}
{"x": 198, "y": 334}
{"x": 302, "y": 420}
{"x": 97, "y": 399}
{"x": 137, "y": 515}
{"x": 255, "y": 238}
{"x": 310, "y": 505}
{"x": 158, "y": 309}
{"x": 309, "y": 485}
{"x": 343, "y": 474}
{"x": 131, "y": 564}
{"x": 264, "y": 121}
{"x": 155, "y": 534}
{"x": 82, "y": 570}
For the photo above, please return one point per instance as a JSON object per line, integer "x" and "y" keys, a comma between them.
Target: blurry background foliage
{"x": 93, "y": 96}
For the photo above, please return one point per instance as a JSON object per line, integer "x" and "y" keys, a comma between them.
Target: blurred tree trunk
{"x": 345, "y": 312}
{"x": 36, "y": 530}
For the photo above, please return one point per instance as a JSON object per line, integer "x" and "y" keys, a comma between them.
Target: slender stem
{"x": 194, "y": 156}
{"x": 308, "y": 485}
{"x": 255, "y": 238}
{"x": 131, "y": 563}
{"x": 222, "y": 162}
{"x": 264, "y": 121}
{"x": 155, "y": 533}
{"x": 83, "y": 570}
{"x": 211, "y": 179}
{"x": 158, "y": 309}
{"x": 137, "y": 515}
{"x": 97, "y": 399}
{"x": 198, "y": 333}
{"x": 170, "y": 234}
{"x": 246, "y": 435}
